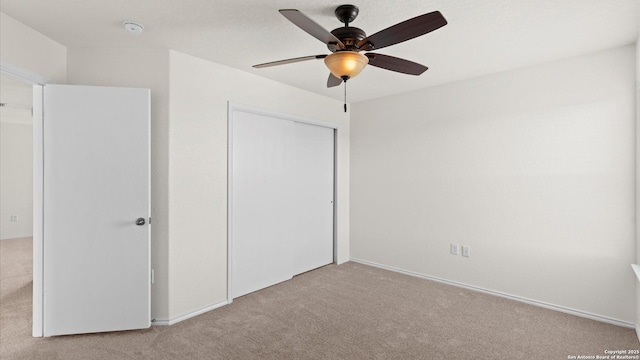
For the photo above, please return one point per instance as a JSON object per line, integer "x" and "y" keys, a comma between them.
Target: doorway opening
{"x": 16, "y": 205}
{"x": 34, "y": 83}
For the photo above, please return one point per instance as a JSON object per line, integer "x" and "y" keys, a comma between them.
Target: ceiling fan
{"x": 346, "y": 43}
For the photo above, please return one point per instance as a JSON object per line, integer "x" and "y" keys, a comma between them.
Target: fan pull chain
{"x": 345, "y": 96}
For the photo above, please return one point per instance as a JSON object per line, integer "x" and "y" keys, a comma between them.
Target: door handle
{"x": 140, "y": 221}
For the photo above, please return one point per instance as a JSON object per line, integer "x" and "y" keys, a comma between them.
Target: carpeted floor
{"x": 350, "y": 311}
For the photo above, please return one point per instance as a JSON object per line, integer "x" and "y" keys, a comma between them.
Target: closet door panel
{"x": 313, "y": 189}
{"x": 263, "y": 202}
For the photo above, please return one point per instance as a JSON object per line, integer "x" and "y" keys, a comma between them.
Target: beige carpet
{"x": 349, "y": 311}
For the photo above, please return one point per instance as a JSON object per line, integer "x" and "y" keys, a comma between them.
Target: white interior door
{"x": 96, "y": 274}
{"x": 313, "y": 195}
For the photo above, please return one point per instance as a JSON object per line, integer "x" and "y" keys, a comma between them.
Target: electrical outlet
{"x": 466, "y": 251}
{"x": 454, "y": 249}
{"x": 14, "y": 218}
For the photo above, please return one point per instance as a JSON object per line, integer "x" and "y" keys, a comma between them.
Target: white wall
{"x": 533, "y": 169}
{"x": 143, "y": 69}
{"x": 28, "y": 49}
{"x": 16, "y": 175}
{"x": 200, "y": 91}
{"x": 16, "y": 158}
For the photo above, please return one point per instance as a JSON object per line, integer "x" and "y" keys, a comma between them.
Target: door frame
{"x": 233, "y": 107}
{"x": 38, "y": 81}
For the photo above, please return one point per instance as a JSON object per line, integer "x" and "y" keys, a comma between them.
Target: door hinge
{"x": 153, "y": 276}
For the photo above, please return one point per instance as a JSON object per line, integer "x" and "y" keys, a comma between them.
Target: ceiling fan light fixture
{"x": 346, "y": 64}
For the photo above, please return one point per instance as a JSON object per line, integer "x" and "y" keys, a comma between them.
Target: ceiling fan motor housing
{"x": 350, "y": 36}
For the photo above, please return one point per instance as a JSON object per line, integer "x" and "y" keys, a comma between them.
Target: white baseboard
{"x": 166, "y": 322}
{"x": 506, "y": 296}
{"x": 638, "y": 332}
{"x": 9, "y": 237}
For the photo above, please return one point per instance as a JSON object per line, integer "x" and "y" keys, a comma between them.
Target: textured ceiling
{"x": 482, "y": 37}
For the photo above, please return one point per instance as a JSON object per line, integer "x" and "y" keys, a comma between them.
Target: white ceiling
{"x": 482, "y": 37}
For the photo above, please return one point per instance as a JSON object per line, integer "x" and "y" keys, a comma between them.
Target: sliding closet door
{"x": 262, "y": 208}
{"x": 281, "y": 199}
{"x": 313, "y": 222}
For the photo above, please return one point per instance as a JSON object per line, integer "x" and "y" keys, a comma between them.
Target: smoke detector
{"x": 133, "y": 27}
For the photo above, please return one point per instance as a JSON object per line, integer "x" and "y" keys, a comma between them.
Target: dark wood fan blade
{"x": 333, "y": 81}
{"x": 289, "y": 61}
{"x": 404, "y": 31}
{"x": 311, "y": 27}
{"x": 395, "y": 64}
